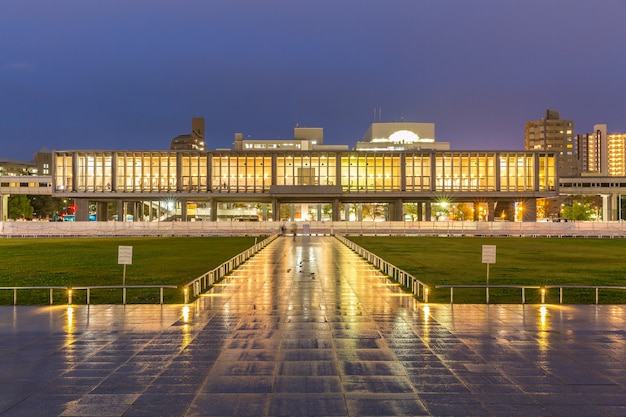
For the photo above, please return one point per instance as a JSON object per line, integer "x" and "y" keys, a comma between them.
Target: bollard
{"x": 69, "y": 296}
{"x": 543, "y": 296}
{"x": 425, "y": 294}
{"x": 186, "y": 292}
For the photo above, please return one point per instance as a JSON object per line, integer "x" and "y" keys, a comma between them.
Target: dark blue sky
{"x": 120, "y": 74}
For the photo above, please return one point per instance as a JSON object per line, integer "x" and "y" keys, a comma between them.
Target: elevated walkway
{"x": 307, "y": 328}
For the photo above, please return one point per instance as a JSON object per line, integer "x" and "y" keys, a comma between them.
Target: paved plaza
{"x": 307, "y": 328}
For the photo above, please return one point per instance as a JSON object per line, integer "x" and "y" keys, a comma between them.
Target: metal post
{"x": 451, "y": 295}
{"x": 51, "y": 299}
{"x": 561, "y": 295}
{"x": 596, "y": 295}
{"x": 14, "y": 296}
{"x": 161, "y": 295}
{"x": 523, "y": 295}
{"x": 124, "y": 295}
{"x": 88, "y": 296}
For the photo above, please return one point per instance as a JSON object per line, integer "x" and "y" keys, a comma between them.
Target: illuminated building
{"x": 603, "y": 154}
{"x": 402, "y": 136}
{"x": 304, "y": 185}
{"x": 555, "y": 135}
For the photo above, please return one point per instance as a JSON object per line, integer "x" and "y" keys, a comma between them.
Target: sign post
{"x": 489, "y": 257}
{"x": 125, "y": 257}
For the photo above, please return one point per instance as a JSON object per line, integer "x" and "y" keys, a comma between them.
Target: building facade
{"x": 305, "y": 185}
{"x": 554, "y": 134}
{"x": 193, "y": 141}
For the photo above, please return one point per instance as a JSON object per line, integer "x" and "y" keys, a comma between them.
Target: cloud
{"x": 19, "y": 66}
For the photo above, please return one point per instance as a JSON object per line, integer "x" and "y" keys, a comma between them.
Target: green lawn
{"x": 93, "y": 261}
{"x": 524, "y": 261}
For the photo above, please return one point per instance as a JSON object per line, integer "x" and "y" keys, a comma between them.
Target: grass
{"x": 519, "y": 261}
{"x": 76, "y": 262}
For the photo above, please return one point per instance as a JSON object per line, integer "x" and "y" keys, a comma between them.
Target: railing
{"x": 417, "y": 287}
{"x": 542, "y": 290}
{"x": 198, "y": 284}
{"x": 597, "y": 289}
{"x": 122, "y": 287}
{"x": 612, "y": 229}
{"x": 206, "y": 280}
{"x": 70, "y": 291}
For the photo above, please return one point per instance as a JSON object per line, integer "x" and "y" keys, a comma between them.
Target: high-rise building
{"x": 193, "y": 141}
{"x": 552, "y": 133}
{"x": 602, "y": 153}
{"x": 616, "y": 154}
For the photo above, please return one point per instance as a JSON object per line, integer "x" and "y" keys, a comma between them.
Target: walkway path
{"x": 306, "y": 328}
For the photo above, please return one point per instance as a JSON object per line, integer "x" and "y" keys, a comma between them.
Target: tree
{"x": 577, "y": 211}
{"x": 19, "y": 207}
{"x": 44, "y": 206}
{"x": 410, "y": 209}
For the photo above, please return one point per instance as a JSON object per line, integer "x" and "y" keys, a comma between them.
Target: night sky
{"x": 130, "y": 74}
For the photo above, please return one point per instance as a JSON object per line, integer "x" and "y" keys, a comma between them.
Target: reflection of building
{"x": 306, "y": 185}
{"x": 193, "y": 141}
{"x": 401, "y": 137}
{"x": 555, "y": 135}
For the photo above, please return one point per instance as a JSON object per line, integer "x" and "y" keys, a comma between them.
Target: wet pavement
{"x": 306, "y": 328}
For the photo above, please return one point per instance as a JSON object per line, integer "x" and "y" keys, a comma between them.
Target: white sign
{"x": 125, "y": 255}
{"x": 489, "y": 254}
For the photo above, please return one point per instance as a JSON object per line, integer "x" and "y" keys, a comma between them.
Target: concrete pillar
{"x": 102, "y": 211}
{"x": 4, "y": 207}
{"x": 530, "y": 211}
{"x": 121, "y": 213}
{"x": 428, "y": 211}
{"x": 336, "y": 215}
{"x": 398, "y": 210}
{"x": 275, "y": 210}
{"x": 491, "y": 207}
{"x": 609, "y": 205}
{"x": 183, "y": 210}
{"x": 213, "y": 205}
{"x": 420, "y": 211}
{"x": 82, "y": 209}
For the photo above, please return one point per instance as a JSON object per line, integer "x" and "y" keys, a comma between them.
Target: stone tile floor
{"x": 306, "y": 328}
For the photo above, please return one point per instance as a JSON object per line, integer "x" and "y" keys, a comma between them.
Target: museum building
{"x": 403, "y": 182}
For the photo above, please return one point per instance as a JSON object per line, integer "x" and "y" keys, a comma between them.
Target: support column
{"x": 420, "y": 211}
{"x": 213, "y": 206}
{"x": 608, "y": 207}
{"x": 102, "y": 211}
{"x": 336, "y": 214}
{"x": 121, "y": 212}
{"x": 82, "y": 209}
{"x": 275, "y": 210}
{"x": 183, "y": 210}
{"x": 530, "y": 211}
{"x": 4, "y": 207}
{"x": 428, "y": 211}
{"x": 492, "y": 210}
{"x": 398, "y": 212}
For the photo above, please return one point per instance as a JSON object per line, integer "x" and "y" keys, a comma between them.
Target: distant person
{"x": 283, "y": 229}
{"x": 294, "y": 230}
